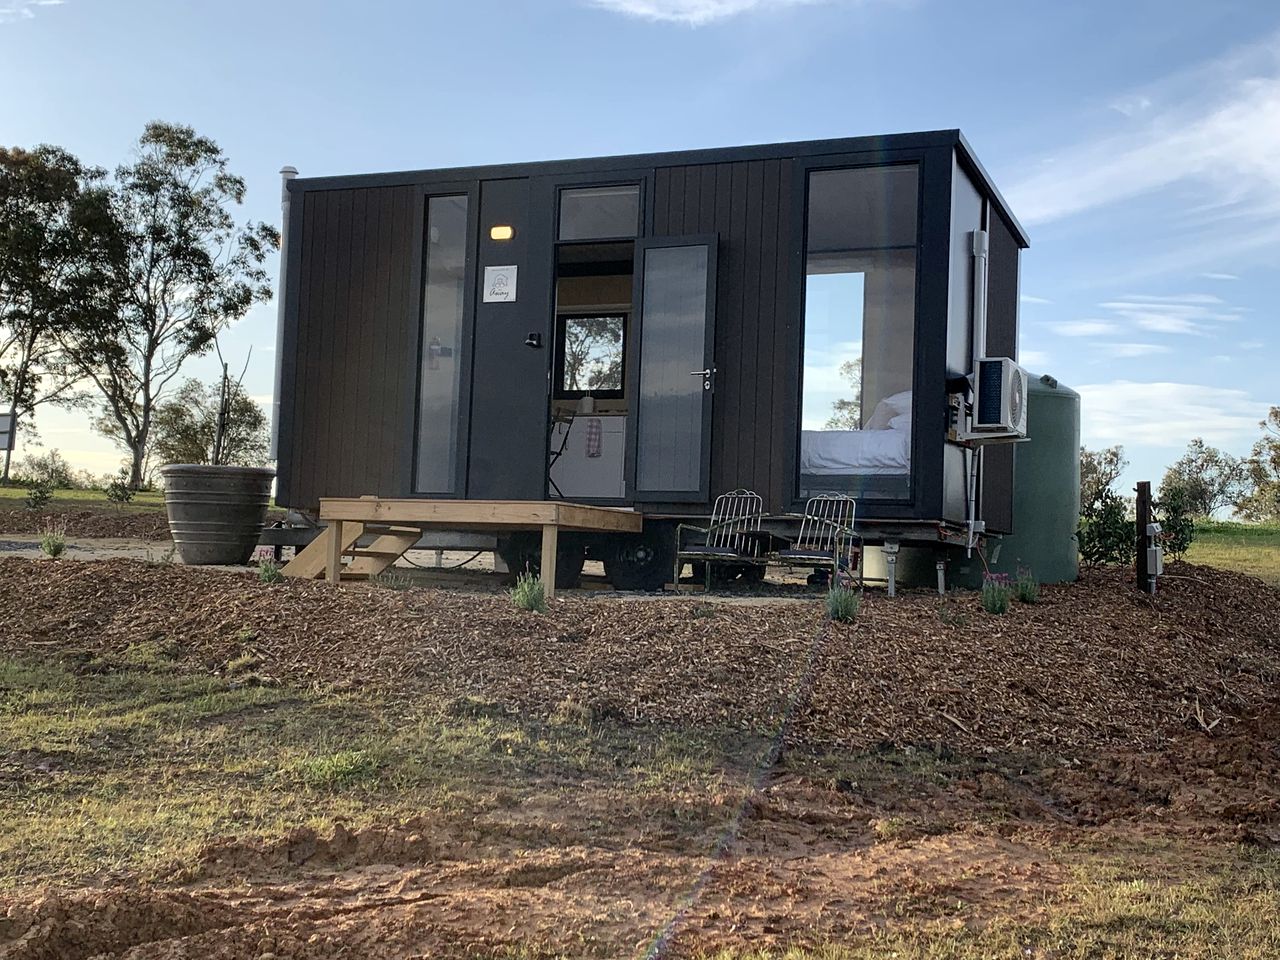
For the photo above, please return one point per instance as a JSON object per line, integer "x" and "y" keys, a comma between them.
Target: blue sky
{"x": 1139, "y": 142}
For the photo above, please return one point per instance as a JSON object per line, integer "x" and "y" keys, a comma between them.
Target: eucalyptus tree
{"x": 60, "y": 246}
{"x": 188, "y": 271}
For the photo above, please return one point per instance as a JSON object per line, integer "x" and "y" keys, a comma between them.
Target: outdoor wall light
{"x": 502, "y": 231}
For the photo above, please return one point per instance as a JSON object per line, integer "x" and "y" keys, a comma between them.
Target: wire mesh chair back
{"x": 827, "y": 526}
{"x": 734, "y": 514}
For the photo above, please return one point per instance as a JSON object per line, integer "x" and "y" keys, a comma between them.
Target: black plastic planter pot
{"x": 216, "y": 514}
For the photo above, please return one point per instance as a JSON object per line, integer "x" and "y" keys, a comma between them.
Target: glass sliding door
{"x": 674, "y": 370}
{"x": 859, "y": 332}
{"x": 443, "y": 320}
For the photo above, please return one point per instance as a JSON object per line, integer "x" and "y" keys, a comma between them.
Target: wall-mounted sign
{"x": 500, "y": 284}
{"x": 7, "y": 433}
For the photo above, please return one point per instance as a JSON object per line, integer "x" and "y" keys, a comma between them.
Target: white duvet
{"x": 826, "y": 453}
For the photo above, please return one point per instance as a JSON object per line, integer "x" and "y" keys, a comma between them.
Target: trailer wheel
{"x": 643, "y": 561}
{"x": 522, "y": 552}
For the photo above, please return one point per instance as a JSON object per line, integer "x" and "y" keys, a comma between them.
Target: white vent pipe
{"x": 286, "y": 174}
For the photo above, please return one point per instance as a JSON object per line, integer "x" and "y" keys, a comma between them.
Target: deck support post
{"x": 550, "y": 537}
{"x": 890, "y": 550}
{"x": 333, "y": 568}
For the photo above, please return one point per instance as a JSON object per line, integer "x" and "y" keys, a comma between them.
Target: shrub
{"x": 1173, "y": 511}
{"x": 529, "y": 594}
{"x": 49, "y": 468}
{"x": 39, "y": 494}
{"x": 269, "y": 571}
{"x": 394, "y": 578}
{"x": 54, "y": 541}
{"x": 118, "y": 489}
{"x": 843, "y": 604}
{"x": 996, "y": 593}
{"x": 1026, "y": 587}
{"x": 1106, "y": 533}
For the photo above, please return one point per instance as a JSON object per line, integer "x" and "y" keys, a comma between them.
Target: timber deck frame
{"x": 405, "y": 519}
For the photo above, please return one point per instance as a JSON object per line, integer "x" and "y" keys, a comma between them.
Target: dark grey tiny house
{"x": 650, "y": 331}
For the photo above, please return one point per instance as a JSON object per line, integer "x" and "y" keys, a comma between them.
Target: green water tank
{"x": 1046, "y": 495}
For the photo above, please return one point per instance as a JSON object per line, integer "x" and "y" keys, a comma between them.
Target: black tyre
{"x": 643, "y": 561}
{"x": 522, "y": 552}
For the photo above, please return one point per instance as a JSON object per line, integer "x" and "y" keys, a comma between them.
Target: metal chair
{"x": 827, "y": 536}
{"x": 733, "y": 534}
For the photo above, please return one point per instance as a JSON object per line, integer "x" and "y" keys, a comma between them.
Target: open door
{"x": 672, "y": 369}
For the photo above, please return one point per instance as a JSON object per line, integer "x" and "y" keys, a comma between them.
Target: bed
{"x": 838, "y": 453}
{"x": 881, "y": 448}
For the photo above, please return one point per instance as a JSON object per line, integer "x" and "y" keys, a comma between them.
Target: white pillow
{"x": 889, "y": 409}
{"x": 901, "y": 422}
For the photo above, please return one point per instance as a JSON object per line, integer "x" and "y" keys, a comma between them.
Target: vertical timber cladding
{"x": 1002, "y": 341}
{"x": 352, "y": 345}
{"x": 748, "y": 204}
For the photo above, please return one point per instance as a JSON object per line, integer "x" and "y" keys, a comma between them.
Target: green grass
{"x": 134, "y": 764}
{"x": 1248, "y": 548}
{"x": 13, "y": 497}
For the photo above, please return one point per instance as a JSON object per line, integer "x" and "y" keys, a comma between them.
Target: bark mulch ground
{"x": 1093, "y": 665}
{"x": 105, "y": 523}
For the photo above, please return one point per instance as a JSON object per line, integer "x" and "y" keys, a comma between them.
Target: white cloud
{"x": 1132, "y": 106}
{"x": 1034, "y": 359}
{"x": 24, "y": 9}
{"x": 1083, "y": 328}
{"x": 1213, "y": 132}
{"x": 1167, "y": 414}
{"x": 1027, "y": 298}
{"x": 1127, "y": 350}
{"x": 1188, "y": 313}
{"x": 694, "y": 12}
{"x": 1219, "y": 276}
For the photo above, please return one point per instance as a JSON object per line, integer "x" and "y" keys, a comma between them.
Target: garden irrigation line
{"x": 442, "y": 567}
{"x": 730, "y": 834}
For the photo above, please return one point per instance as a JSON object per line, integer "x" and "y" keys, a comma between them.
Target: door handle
{"x": 706, "y": 376}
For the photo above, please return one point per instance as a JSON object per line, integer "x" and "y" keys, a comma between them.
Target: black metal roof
{"x": 805, "y": 148}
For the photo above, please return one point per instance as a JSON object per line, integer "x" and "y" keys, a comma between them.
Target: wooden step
{"x": 311, "y": 561}
{"x": 387, "y": 549}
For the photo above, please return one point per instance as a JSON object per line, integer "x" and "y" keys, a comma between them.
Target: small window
{"x": 589, "y": 355}
{"x": 600, "y": 213}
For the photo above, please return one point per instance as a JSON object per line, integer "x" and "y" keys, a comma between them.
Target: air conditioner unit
{"x": 1000, "y": 397}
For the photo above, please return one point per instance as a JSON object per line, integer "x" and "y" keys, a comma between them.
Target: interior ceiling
{"x": 596, "y": 259}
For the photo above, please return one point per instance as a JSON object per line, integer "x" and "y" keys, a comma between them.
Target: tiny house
{"x": 650, "y": 331}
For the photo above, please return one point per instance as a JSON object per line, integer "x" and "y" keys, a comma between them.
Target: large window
{"x": 444, "y": 286}
{"x": 859, "y": 326}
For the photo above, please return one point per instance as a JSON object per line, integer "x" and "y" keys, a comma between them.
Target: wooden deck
{"x": 400, "y": 523}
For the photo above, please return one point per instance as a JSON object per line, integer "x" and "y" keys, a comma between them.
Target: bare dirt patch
{"x": 414, "y": 890}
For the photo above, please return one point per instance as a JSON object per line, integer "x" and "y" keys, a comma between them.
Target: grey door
{"x": 508, "y": 455}
{"x": 672, "y": 369}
